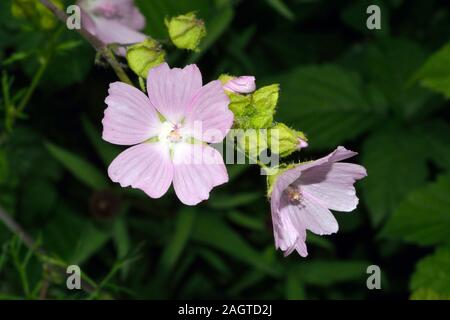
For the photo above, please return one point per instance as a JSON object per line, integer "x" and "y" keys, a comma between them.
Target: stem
{"x": 15, "y": 228}
{"x": 37, "y": 77}
{"x": 94, "y": 41}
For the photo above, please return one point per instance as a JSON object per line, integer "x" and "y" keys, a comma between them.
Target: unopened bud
{"x": 186, "y": 31}
{"x": 144, "y": 56}
{"x": 243, "y": 84}
{"x": 285, "y": 140}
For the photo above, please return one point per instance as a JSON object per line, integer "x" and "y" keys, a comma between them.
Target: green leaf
{"x": 80, "y": 168}
{"x": 121, "y": 237}
{"x": 90, "y": 240}
{"x": 424, "y": 217}
{"x": 431, "y": 280}
{"x": 176, "y": 244}
{"x": 215, "y": 27}
{"x": 281, "y": 8}
{"x": 228, "y": 201}
{"x": 395, "y": 159}
{"x": 293, "y": 286}
{"x": 327, "y": 273}
{"x": 435, "y": 73}
{"x": 328, "y": 103}
{"x": 213, "y": 231}
{"x": 72, "y": 237}
{"x": 246, "y": 221}
{"x": 105, "y": 150}
{"x": 389, "y": 64}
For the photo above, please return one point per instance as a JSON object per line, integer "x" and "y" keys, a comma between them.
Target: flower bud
{"x": 243, "y": 84}
{"x": 143, "y": 56}
{"x": 264, "y": 101}
{"x": 285, "y": 140}
{"x": 35, "y": 12}
{"x": 186, "y": 31}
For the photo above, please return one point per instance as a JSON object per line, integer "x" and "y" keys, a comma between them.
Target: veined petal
{"x": 332, "y": 184}
{"x": 172, "y": 90}
{"x": 315, "y": 217}
{"x": 129, "y": 118}
{"x": 146, "y": 166}
{"x": 289, "y": 231}
{"x": 112, "y": 31}
{"x": 197, "y": 169}
{"x": 208, "y": 117}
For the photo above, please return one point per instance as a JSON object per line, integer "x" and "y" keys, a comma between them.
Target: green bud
{"x": 238, "y": 105}
{"x": 284, "y": 140}
{"x": 186, "y": 31}
{"x": 143, "y": 56}
{"x": 35, "y": 12}
{"x": 264, "y": 101}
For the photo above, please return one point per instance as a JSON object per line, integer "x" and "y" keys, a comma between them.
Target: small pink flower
{"x": 243, "y": 84}
{"x": 113, "y": 21}
{"x": 302, "y": 196}
{"x": 164, "y": 128}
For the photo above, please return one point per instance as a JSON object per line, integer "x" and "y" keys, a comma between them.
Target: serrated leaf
{"x": 326, "y": 102}
{"x": 80, "y": 168}
{"x": 424, "y": 217}
{"x": 395, "y": 159}
{"x": 431, "y": 280}
{"x": 435, "y": 73}
{"x": 214, "y": 232}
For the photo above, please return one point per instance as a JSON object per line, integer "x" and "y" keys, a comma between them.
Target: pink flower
{"x": 243, "y": 84}
{"x": 166, "y": 129}
{"x": 302, "y": 196}
{"x": 113, "y": 21}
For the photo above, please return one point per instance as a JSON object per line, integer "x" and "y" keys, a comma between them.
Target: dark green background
{"x": 379, "y": 92}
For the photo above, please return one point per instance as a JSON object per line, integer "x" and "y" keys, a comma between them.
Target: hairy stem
{"x": 101, "y": 48}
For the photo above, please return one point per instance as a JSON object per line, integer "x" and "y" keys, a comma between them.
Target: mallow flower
{"x": 169, "y": 131}
{"x": 242, "y": 84}
{"x": 302, "y": 197}
{"x": 113, "y": 21}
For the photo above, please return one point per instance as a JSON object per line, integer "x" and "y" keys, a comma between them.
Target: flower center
{"x": 170, "y": 133}
{"x": 294, "y": 194}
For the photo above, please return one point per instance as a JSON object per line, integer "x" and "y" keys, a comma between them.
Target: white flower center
{"x": 170, "y": 133}
{"x": 294, "y": 194}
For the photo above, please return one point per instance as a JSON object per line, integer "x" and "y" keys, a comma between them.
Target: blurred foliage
{"x": 380, "y": 92}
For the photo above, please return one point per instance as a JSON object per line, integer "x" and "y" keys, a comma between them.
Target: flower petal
{"x": 172, "y": 90}
{"x": 112, "y": 31}
{"x": 129, "y": 118}
{"x": 146, "y": 166}
{"x": 289, "y": 232}
{"x": 208, "y": 117}
{"x": 315, "y": 217}
{"x": 332, "y": 184}
{"x": 197, "y": 169}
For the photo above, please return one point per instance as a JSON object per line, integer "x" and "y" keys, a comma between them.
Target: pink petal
{"x": 88, "y": 23}
{"x": 112, "y": 31}
{"x": 146, "y": 166}
{"x": 136, "y": 20}
{"x": 172, "y": 90}
{"x": 332, "y": 184}
{"x": 316, "y": 217}
{"x": 290, "y": 233}
{"x": 129, "y": 118}
{"x": 243, "y": 84}
{"x": 209, "y": 118}
{"x": 197, "y": 169}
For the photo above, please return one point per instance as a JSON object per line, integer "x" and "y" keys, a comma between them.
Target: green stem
{"x": 34, "y": 82}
